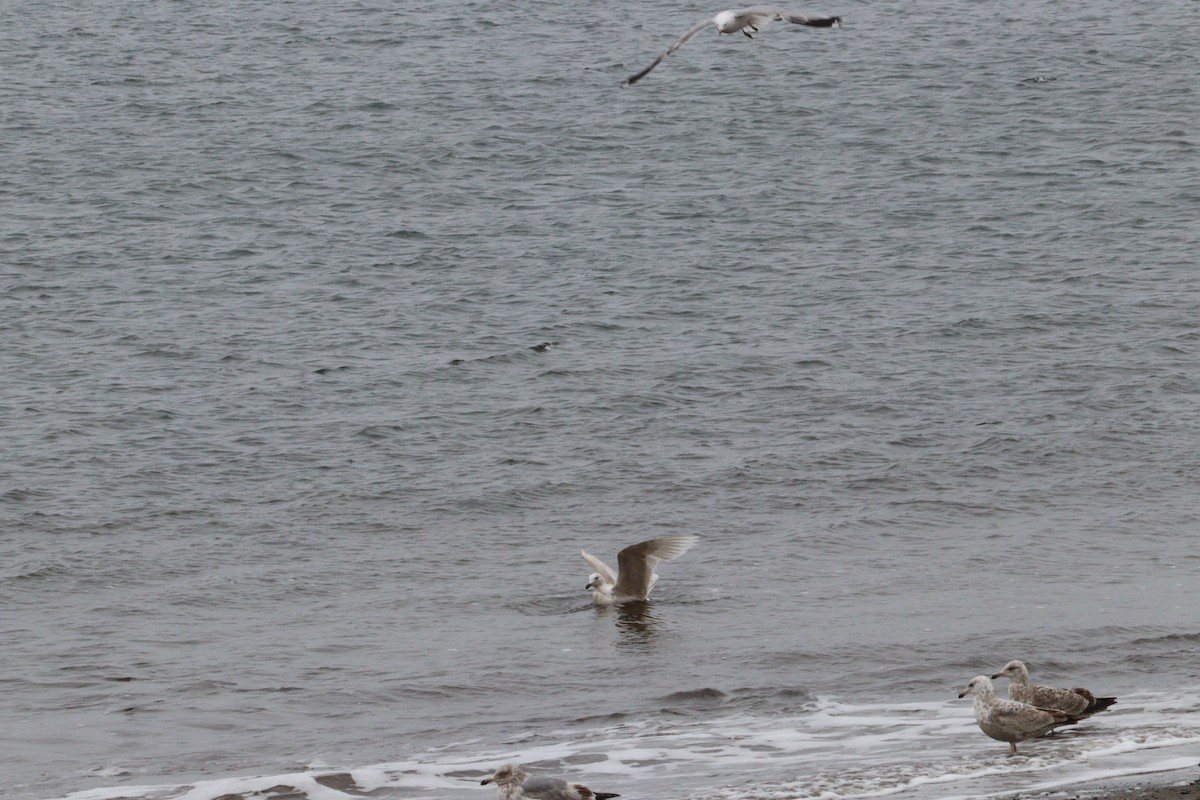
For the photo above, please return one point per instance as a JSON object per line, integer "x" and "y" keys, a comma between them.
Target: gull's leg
{"x": 752, "y": 27}
{"x": 748, "y": 36}
{"x": 1012, "y": 751}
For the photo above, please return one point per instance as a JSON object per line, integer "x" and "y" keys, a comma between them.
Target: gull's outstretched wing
{"x": 699, "y": 26}
{"x": 604, "y": 569}
{"x": 635, "y": 563}
{"x": 773, "y": 12}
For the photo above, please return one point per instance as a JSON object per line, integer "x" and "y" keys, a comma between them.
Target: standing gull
{"x": 636, "y": 565}
{"x": 1073, "y": 701}
{"x": 1008, "y": 720}
{"x": 513, "y": 783}
{"x": 735, "y": 20}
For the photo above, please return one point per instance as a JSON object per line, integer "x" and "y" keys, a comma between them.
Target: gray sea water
{"x": 330, "y": 331}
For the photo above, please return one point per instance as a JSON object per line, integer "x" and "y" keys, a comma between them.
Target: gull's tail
{"x": 1095, "y": 704}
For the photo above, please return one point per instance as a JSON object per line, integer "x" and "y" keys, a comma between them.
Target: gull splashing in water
{"x": 737, "y": 21}
{"x": 635, "y": 564}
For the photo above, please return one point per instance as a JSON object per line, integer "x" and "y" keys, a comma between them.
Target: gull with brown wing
{"x": 1008, "y": 720}
{"x": 635, "y": 564}
{"x": 1073, "y": 701}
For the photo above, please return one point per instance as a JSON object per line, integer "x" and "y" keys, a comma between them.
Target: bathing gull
{"x": 735, "y": 20}
{"x": 636, "y": 565}
{"x": 513, "y": 783}
{"x": 1008, "y": 720}
{"x": 1079, "y": 702}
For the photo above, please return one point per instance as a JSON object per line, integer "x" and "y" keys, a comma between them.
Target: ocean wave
{"x": 831, "y": 749}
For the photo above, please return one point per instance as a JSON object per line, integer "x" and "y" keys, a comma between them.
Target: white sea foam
{"x": 835, "y": 749}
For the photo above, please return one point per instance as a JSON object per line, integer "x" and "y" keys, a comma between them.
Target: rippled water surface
{"x": 331, "y": 331}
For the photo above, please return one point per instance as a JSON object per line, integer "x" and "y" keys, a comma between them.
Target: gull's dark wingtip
{"x": 819, "y": 22}
{"x": 632, "y": 79}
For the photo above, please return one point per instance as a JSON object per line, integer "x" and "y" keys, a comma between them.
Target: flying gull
{"x": 635, "y": 563}
{"x": 735, "y": 20}
{"x": 1079, "y": 702}
{"x": 513, "y": 783}
{"x": 1008, "y": 720}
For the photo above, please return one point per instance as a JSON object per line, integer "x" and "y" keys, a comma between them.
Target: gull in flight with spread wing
{"x": 736, "y": 20}
{"x": 636, "y": 576}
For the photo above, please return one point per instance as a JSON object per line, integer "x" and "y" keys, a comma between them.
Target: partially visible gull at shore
{"x": 635, "y": 564}
{"x": 1076, "y": 701}
{"x": 737, "y": 21}
{"x": 1008, "y": 720}
{"x": 513, "y": 783}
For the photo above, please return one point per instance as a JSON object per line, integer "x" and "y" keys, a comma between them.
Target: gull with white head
{"x": 738, "y": 21}
{"x": 513, "y": 783}
{"x": 1008, "y": 720}
{"x": 636, "y": 576}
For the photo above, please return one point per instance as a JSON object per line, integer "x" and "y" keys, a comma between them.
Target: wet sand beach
{"x": 1173, "y": 785}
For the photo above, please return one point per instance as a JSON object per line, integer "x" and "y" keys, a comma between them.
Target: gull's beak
{"x": 963, "y": 693}
{"x": 587, "y": 588}
{"x": 998, "y": 675}
{"x": 487, "y": 780}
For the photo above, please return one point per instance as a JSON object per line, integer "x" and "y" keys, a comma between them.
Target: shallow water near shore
{"x": 333, "y": 331}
